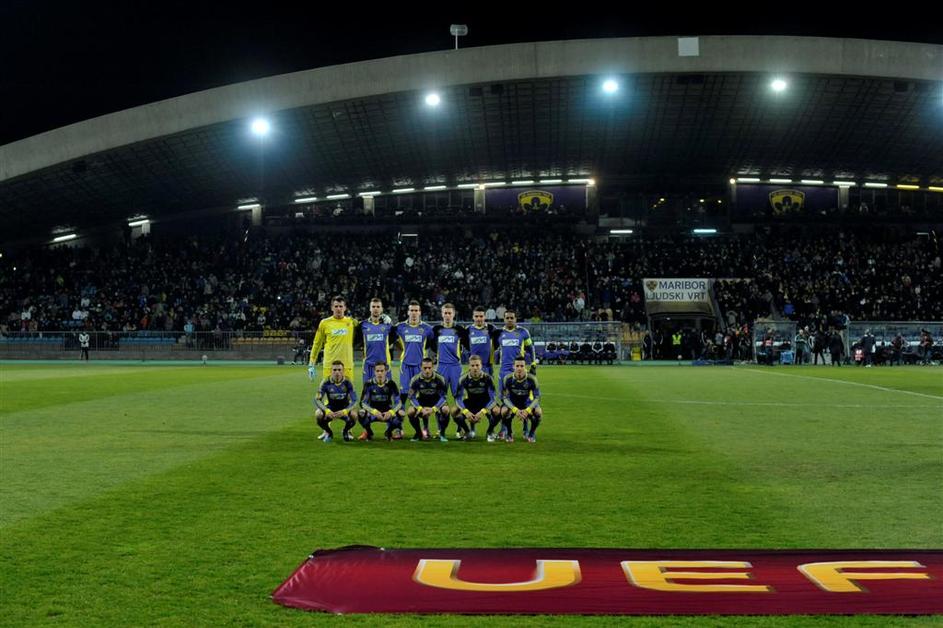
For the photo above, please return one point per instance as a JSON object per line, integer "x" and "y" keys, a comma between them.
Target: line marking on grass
{"x": 842, "y": 381}
{"x": 743, "y": 403}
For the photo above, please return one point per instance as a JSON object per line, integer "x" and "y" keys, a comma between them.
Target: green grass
{"x": 183, "y": 495}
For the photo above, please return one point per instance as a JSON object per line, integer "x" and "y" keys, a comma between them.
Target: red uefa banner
{"x": 617, "y": 581}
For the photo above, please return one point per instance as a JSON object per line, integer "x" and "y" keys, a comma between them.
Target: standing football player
{"x": 448, "y": 343}
{"x": 336, "y": 336}
{"x": 414, "y": 337}
{"x": 482, "y": 340}
{"x": 376, "y": 335}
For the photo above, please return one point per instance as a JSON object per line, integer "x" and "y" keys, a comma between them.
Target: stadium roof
{"x": 854, "y": 109}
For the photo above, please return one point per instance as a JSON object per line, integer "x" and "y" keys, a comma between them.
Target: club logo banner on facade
{"x": 678, "y": 296}
{"x": 572, "y": 197}
{"x": 617, "y": 581}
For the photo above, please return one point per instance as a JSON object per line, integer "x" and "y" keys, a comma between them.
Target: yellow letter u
{"x": 550, "y": 574}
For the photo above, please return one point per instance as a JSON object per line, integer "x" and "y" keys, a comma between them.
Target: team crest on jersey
{"x": 786, "y": 201}
{"x": 535, "y": 199}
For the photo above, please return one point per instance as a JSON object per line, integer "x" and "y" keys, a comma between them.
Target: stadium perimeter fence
{"x": 266, "y": 345}
{"x": 782, "y": 348}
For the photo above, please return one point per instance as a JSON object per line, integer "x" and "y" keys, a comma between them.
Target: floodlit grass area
{"x": 183, "y": 495}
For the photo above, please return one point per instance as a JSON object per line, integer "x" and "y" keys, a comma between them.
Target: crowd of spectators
{"x": 264, "y": 282}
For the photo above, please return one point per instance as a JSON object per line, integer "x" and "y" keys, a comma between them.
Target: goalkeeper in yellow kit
{"x": 335, "y": 335}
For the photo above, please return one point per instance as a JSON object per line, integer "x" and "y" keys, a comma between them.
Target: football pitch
{"x": 183, "y": 495}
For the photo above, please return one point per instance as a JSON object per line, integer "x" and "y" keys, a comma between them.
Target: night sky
{"x": 67, "y": 62}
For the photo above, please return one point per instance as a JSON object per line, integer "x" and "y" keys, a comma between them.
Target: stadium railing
{"x": 268, "y": 344}
{"x": 885, "y": 331}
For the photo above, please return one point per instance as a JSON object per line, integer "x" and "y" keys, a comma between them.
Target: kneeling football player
{"x": 427, "y": 392}
{"x": 475, "y": 401}
{"x": 522, "y": 400}
{"x": 336, "y": 400}
{"x": 380, "y": 402}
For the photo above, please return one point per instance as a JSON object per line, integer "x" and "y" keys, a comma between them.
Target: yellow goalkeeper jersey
{"x": 336, "y": 337}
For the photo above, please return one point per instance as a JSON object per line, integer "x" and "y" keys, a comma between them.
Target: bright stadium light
{"x": 779, "y": 85}
{"x": 432, "y": 188}
{"x": 844, "y": 184}
{"x": 733, "y": 181}
{"x": 875, "y": 185}
{"x": 371, "y": 193}
{"x": 523, "y": 182}
{"x": 334, "y": 197}
{"x": 467, "y": 185}
{"x": 64, "y": 238}
{"x": 908, "y": 187}
{"x": 433, "y": 99}
{"x": 780, "y": 180}
{"x": 403, "y": 190}
{"x": 812, "y": 182}
{"x": 261, "y": 127}
{"x": 747, "y": 180}
{"x": 551, "y": 180}
{"x": 933, "y": 188}
{"x": 704, "y": 231}
{"x": 610, "y": 86}
{"x": 493, "y": 183}
{"x": 139, "y": 223}
{"x": 306, "y": 199}
{"x": 249, "y": 206}
{"x": 620, "y": 231}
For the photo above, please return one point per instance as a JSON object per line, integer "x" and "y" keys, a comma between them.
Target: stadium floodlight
{"x": 579, "y": 181}
{"x": 433, "y": 99}
{"x": 779, "y": 85}
{"x": 704, "y": 231}
{"x": 64, "y": 238}
{"x": 875, "y": 185}
{"x": 306, "y": 199}
{"x": 403, "y": 190}
{"x": 620, "y": 231}
{"x": 551, "y": 181}
{"x": 523, "y": 182}
{"x": 812, "y": 182}
{"x": 907, "y": 187}
{"x": 844, "y": 184}
{"x": 139, "y": 223}
{"x": 733, "y": 181}
{"x": 371, "y": 193}
{"x": 610, "y": 86}
{"x": 747, "y": 180}
{"x": 334, "y": 197}
{"x": 493, "y": 183}
{"x": 249, "y": 206}
{"x": 430, "y": 188}
{"x": 261, "y": 127}
{"x": 780, "y": 180}
{"x": 409, "y": 235}
{"x": 467, "y": 185}
{"x": 458, "y": 30}
{"x": 933, "y": 188}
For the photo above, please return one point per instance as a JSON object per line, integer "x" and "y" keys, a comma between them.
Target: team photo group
{"x": 431, "y": 373}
